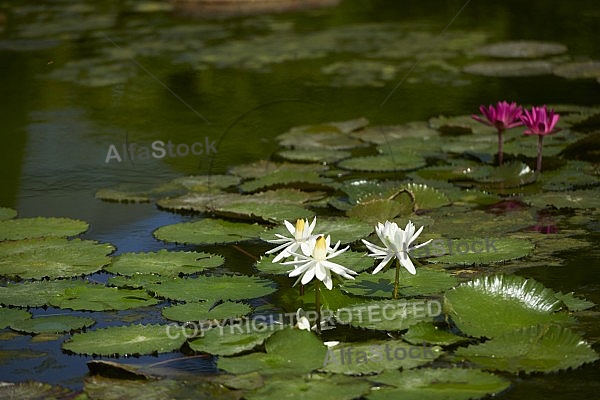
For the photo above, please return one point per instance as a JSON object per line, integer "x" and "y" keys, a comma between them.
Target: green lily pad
{"x": 507, "y": 176}
{"x": 522, "y": 49}
{"x": 192, "y": 201}
{"x": 454, "y": 222}
{"x": 462, "y": 125}
{"x": 262, "y": 211}
{"x": 388, "y": 315}
{"x": 374, "y": 357}
{"x": 567, "y": 199}
{"x": 578, "y": 70}
{"x": 311, "y": 387}
{"x": 95, "y": 297}
{"x": 427, "y": 197}
{"x": 477, "y": 251}
{"x": 261, "y": 168}
{"x": 236, "y": 287}
{"x": 28, "y": 228}
{"x": 430, "y": 333}
{"x": 205, "y": 311}
{"x": 52, "y": 324}
{"x": 10, "y": 315}
{"x": 34, "y": 294}
{"x": 384, "y": 163}
{"x": 135, "y": 281}
{"x": 282, "y": 355}
{"x": 31, "y": 390}
{"x": 574, "y": 303}
{"x": 381, "y": 285}
{"x": 125, "y": 340}
{"x": 379, "y": 210}
{"x": 540, "y": 348}
{"x": 493, "y": 305}
{"x": 438, "y": 384}
{"x": 394, "y": 134}
{"x": 208, "y": 231}
{"x": 232, "y": 339}
{"x": 510, "y": 68}
{"x": 330, "y": 136}
{"x": 286, "y": 178}
{"x": 123, "y": 195}
{"x": 7, "y": 213}
{"x": 321, "y": 155}
{"x": 52, "y": 257}
{"x": 207, "y": 183}
{"x": 164, "y": 262}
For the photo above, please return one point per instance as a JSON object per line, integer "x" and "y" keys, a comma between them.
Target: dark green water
{"x": 59, "y": 119}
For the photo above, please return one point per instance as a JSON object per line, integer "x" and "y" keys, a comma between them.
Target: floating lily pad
{"x": 233, "y": 339}
{"x": 314, "y": 386}
{"x": 540, "y": 348}
{"x": 31, "y": 390}
{"x": 261, "y": 168}
{"x": 95, "y": 297}
{"x": 7, "y": 213}
{"x": 236, "y": 287}
{"x": 205, "y": 311}
{"x": 164, "y": 262}
{"x": 330, "y": 136}
{"x": 576, "y": 70}
{"x": 125, "y": 340}
{"x": 359, "y": 73}
{"x": 574, "y": 303}
{"x": 10, "y": 315}
{"x": 384, "y": 163}
{"x": 286, "y": 178}
{"x": 388, "y": 315}
{"x": 123, "y": 196}
{"x": 52, "y": 324}
{"x": 374, "y": 357}
{"x": 379, "y": 210}
{"x": 28, "y": 228}
{"x": 52, "y": 257}
{"x": 135, "y": 281}
{"x": 438, "y": 384}
{"x": 193, "y": 201}
{"x": 34, "y": 294}
{"x": 262, "y": 211}
{"x": 462, "y": 125}
{"x": 322, "y": 155}
{"x": 566, "y": 199}
{"x": 425, "y": 282}
{"x": 282, "y": 355}
{"x": 393, "y": 135}
{"x": 493, "y": 305}
{"x": 427, "y": 197}
{"x": 522, "y": 49}
{"x": 207, "y": 183}
{"x": 208, "y": 231}
{"x": 456, "y": 223}
{"x": 430, "y": 333}
{"x": 510, "y": 68}
{"x": 478, "y": 251}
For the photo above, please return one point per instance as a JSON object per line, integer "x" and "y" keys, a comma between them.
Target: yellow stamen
{"x": 320, "y": 250}
{"x": 299, "y": 229}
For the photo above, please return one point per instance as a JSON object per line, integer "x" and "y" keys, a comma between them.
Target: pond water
{"x": 80, "y": 79}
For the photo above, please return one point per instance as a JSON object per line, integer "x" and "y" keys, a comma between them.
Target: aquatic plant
{"x": 301, "y": 233}
{"x": 541, "y": 122}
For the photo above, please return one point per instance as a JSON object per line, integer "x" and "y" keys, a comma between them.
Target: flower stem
{"x": 539, "y": 155}
{"x": 500, "y": 150}
{"x": 397, "y": 281}
{"x": 318, "y": 305}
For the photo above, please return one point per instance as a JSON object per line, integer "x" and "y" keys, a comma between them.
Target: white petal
{"x": 291, "y": 228}
{"x": 308, "y": 276}
{"x": 407, "y": 263}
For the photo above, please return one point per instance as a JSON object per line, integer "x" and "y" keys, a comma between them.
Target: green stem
{"x": 500, "y": 151}
{"x": 397, "y": 281}
{"x": 539, "y": 155}
{"x": 318, "y": 305}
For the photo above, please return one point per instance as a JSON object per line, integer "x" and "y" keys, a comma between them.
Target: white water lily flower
{"x": 315, "y": 263}
{"x": 301, "y": 233}
{"x": 397, "y": 244}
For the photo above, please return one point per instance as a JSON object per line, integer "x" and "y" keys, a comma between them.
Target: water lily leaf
{"x": 460, "y": 223}
{"x": 286, "y": 178}
{"x": 438, "y": 384}
{"x": 392, "y": 134}
{"x": 522, "y": 49}
{"x": 7, "y": 213}
{"x": 363, "y": 190}
{"x": 193, "y": 201}
{"x": 572, "y": 176}
{"x": 507, "y": 176}
{"x": 205, "y": 311}
{"x": 10, "y": 315}
{"x": 125, "y": 340}
{"x": 95, "y": 297}
{"x": 331, "y": 136}
{"x": 208, "y": 231}
{"x": 135, "y": 281}
{"x": 425, "y": 282}
{"x": 311, "y": 387}
{"x": 262, "y": 211}
{"x": 540, "y": 348}
{"x": 52, "y": 257}
{"x": 52, "y": 324}
{"x": 574, "y": 303}
{"x": 230, "y": 340}
{"x": 28, "y": 228}
{"x": 462, "y": 125}
{"x": 384, "y": 163}
{"x": 493, "y": 305}
{"x": 388, "y": 315}
{"x": 207, "y": 183}
{"x": 578, "y": 70}
{"x": 31, "y": 390}
{"x": 467, "y": 171}
{"x": 567, "y": 199}
{"x": 321, "y": 155}
{"x": 427, "y": 197}
{"x": 164, "y": 262}
{"x": 282, "y": 355}
{"x": 262, "y": 168}
{"x": 378, "y": 210}
{"x": 430, "y": 333}
{"x": 236, "y": 287}
{"x": 422, "y": 145}
{"x": 477, "y": 251}
{"x": 34, "y": 294}
{"x": 125, "y": 195}
{"x": 510, "y": 68}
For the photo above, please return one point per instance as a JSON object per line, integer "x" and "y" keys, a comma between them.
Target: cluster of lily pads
{"x": 493, "y": 320}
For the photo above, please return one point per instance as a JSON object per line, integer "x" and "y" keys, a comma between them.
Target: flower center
{"x": 320, "y": 250}
{"x": 299, "y": 233}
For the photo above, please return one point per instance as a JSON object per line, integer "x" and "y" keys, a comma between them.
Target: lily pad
{"x": 493, "y": 305}
{"x": 427, "y": 197}
{"x": 11, "y": 315}
{"x": 164, "y": 262}
{"x": 380, "y": 285}
{"x": 52, "y": 324}
{"x": 95, "y": 297}
{"x": 430, "y": 333}
{"x": 567, "y": 199}
{"x": 207, "y": 183}
{"x": 205, "y": 311}
{"x": 286, "y": 178}
{"x": 31, "y": 390}
{"x": 374, "y": 357}
{"x": 388, "y": 315}
{"x": 462, "y": 125}
{"x": 262, "y": 211}
{"x": 394, "y": 134}
{"x": 52, "y": 257}
{"x": 522, "y": 49}
{"x": 261, "y": 168}
{"x": 575, "y": 70}
{"x": 478, "y": 251}
{"x": 125, "y": 340}
{"x": 540, "y": 348}
{"x": 465, "y": 223}
{"x": 34, "y": 294}
{"x": 236, "y": 287}
{"x": 330, "y": 136}
{"x": 7, "y": 213}
{"x": 123, "y": 195}
{"x": 574, "y": 303}
{"x": 321, "y": 155}
{"x": 438, "y": 384}
{"x": 379, "y": 210}
{"x": 28, "y": 228}
{"x": 384, "y": 163}
{"x": 232, "y": 339}
{"x": 311, "y": 387}
{"x": 510, "y": 68}
{"x": 208, "y": 231}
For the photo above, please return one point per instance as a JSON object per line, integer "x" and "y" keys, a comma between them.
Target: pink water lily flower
{"x": 541, "y": 122}
{"x": 502, "y": 116}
